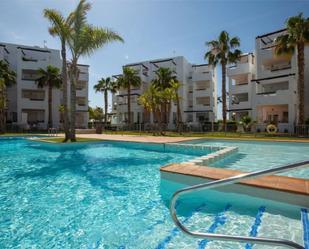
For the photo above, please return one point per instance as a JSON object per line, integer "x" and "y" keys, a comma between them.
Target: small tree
{"x": 105, "y": 86}
{"x": 49, "y": 78}
{"x": 246, "y": 122}
{"x": 7, "y": 77}
{"x": 129, "y": 79}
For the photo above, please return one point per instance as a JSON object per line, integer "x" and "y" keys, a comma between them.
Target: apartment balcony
{"x": 271, "y": 65}
{"x": 33, "y": 104}
{"x": 201, "y": 92}
{"x": 201, "y": 76}
{"x": 83, "y": 77}
{"x": 274, "y": 98}
{"x": 240, "y": 105}
{"x": 240, "y": 68}
{"x": 81, "y": 107}
{"x": 202, "y": 107}
{"x": 33, "y": 64}
{"x": 240, "y": 88}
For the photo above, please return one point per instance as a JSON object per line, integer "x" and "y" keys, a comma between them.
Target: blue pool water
{"x": 109, "y": 195}
{"x": 253, "y": 155}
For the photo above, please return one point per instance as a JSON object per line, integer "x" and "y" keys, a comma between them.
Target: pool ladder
{"x": 228, "y": 181}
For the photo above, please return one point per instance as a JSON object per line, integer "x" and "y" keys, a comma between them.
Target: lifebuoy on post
{"x": 271, "y": 129}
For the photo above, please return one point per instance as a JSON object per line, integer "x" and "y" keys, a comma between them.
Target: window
{"x": 203, "y": 101}
{"x": 34, "y": 116}
{"x": 202, "y": 117}
{"x": 29, "y": 74}
{"x": 285, "y": 117}
{"x": 81, "y": 84}
{"x": 189, "y": 117}
{"x": 35, "y": 95}
{"x": 81, "y": 101}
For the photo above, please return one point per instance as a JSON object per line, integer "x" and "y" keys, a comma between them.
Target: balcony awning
{"x": 274, "y": 77}
{"x": 237, "y": 110}
{"x": 200, "y": 111}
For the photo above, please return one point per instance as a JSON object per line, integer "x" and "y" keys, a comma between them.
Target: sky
{"x": 151, "y": 29}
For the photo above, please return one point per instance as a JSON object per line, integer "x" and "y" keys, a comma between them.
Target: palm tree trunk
{"x": 179, "y": 118}
{"x": 301, "y": 83}
{"x": 50, "y": 114}
{"x": 224, "y": 95}
{"x": 74, "y": 77}
{"x": 2, "y": 109}
{"x": 105, "y": 108}
{"x": 66, "y": 124}
{"x": 129, "y": 104}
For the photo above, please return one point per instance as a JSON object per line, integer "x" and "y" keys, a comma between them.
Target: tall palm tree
{"x": 129, "y": 79}
{"x": 105, "y": 86}
{"x": 164, "y": 77}
{"x": 60, "y": 26}
{"x": 84, "y": 40}
{"x": 223, "y": 51}
{"x": 7, "y": 77}
{"x": 295, "y": 39}
{"x": 49, "y": 78}
{"x": 175, "y": 85}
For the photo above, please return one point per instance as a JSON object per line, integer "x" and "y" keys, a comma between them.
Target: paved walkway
{"x": 136, "y": 138}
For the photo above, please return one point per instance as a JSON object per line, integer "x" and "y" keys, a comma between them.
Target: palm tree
{"x": 105, "y": 86}
{"x": 151, "y": 100}
{"x": 7, "y": 77}
{"x": 224, "y": 51}
{"x": 61, "y": 28}
{"x": 49, "y": 78}
{"x": 127, "y": 80}
{"x": 84, "y": 39}
{"x": 164, "y": 77}
{"x": 175, "y": 85}
{"x": 295, "y": 39}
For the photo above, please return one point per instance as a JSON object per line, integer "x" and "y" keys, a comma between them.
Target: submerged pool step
{"x": 264, "y": 223}
{"x": 305, "y": 221}
{"x": 214, "y": 156}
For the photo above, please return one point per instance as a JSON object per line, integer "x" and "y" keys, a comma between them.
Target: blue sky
{"x": 151, "y": 29}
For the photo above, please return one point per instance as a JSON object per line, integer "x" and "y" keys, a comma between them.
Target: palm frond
{"x": 235, "y": 42}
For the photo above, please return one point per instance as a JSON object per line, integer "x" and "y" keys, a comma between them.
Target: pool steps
{"x": 217, "y": 153}
{"x": 220, "y": 219}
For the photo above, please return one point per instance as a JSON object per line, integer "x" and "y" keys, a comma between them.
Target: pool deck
{"x": 137, "y": 138}
{"x": 167, "y": 139}
{"x": 278, "y": 183}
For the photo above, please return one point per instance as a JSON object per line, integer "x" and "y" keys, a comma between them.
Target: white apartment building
{"x": 28, "y": 104}
{"x": 264, "y": 86}
{"x": 198, "y": 93}
{"x": 240, "y": 87}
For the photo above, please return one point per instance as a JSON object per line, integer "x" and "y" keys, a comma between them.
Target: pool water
{"x": 258, "y": 155}
{"x": 109, "y": 195}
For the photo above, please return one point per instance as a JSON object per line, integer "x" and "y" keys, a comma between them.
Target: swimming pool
{"x": 257, "y": 155}
{"x": 109, "y": 195}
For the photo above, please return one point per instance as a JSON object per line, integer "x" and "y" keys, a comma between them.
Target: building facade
{"x": 263, "y": 85}
{"x": 27, "y": 104}
{"x": 198, "y": 93}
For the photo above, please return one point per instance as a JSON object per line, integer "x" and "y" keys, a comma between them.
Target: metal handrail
{"x": 227, "y": 181}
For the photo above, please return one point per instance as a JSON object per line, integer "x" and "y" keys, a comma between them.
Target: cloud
{"x": 126, "y": 57}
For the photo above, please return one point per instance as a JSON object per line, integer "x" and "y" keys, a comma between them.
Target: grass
{"x": 60, "y": 140}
